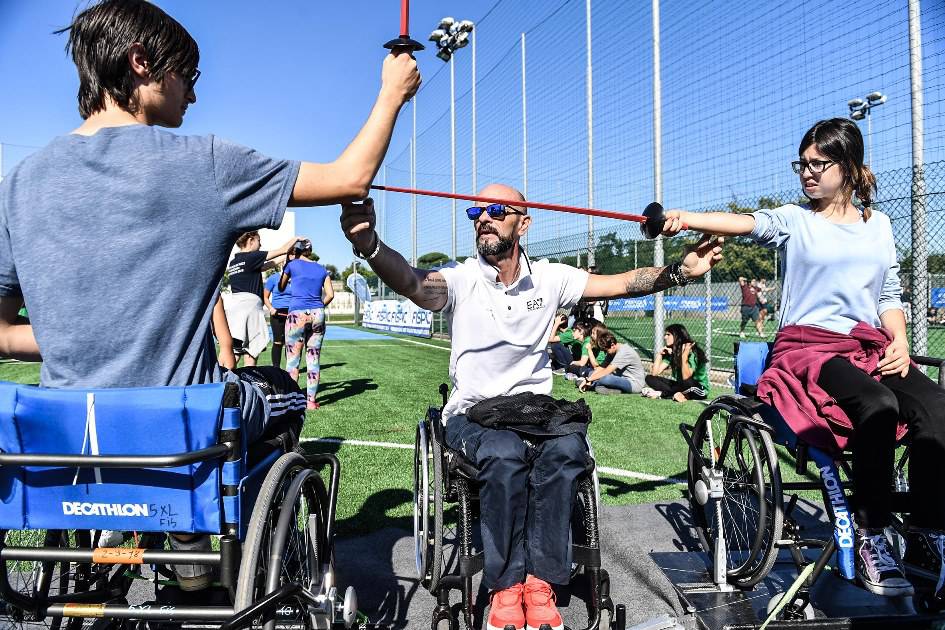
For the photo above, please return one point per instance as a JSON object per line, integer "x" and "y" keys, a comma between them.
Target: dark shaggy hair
{"x": 840, "y": 140}
{"x": 681, "y": 337}
{"x": 99, "y": 40}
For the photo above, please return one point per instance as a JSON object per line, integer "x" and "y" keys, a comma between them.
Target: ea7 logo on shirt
{"x": 536, "y": 304}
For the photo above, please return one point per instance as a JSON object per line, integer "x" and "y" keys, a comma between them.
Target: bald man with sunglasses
{"x": 501, "y": 307}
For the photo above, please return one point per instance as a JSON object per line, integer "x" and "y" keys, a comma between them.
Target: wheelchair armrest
{"x": 932, "y": 362}
{"x": 748, "y": 390}
{"x": 53, "y": 460}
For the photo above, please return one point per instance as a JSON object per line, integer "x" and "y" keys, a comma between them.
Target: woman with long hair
{"x": 840, "y": 369}
{"x": 305, "y": 324}
{"x": 687, "y": 364}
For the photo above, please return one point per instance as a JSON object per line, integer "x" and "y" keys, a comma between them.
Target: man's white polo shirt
{"x": 500, "y": 333}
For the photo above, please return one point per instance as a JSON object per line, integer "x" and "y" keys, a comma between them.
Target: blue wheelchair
{"x": 75, "y": 463}
{"x": 737, "y": 496}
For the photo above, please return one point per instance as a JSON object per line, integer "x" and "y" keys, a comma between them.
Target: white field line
{"x": 617, "y": 472}
{"x": 419, "y": 343}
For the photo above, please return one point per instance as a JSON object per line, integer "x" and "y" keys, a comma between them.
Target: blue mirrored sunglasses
{"x": 495, "y": 211}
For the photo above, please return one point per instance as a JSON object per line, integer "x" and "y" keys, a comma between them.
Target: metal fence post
{"x": 658, "y": 312}
{"x": 524, "y": 132}
{"x": 920, "y": 269}
{"x": 589, "y": 73}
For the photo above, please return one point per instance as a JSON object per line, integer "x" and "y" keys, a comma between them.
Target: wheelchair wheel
{"x": 286, "y": 542}
{"x": 751, "y": 509}
{"x": 428, "y": 506}
{"x": 32, "y": 584}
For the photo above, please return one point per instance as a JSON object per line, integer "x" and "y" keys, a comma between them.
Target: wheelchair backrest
{"x": 751, "y": 358}
{"x": 127, "y": 421}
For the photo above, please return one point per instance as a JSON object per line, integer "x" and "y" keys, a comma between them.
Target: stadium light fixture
{"x": 451, "y": 35}
{"x": 861, "y": 108}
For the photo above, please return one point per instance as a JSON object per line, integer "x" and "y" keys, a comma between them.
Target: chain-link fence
{"x": 559, "y": 100}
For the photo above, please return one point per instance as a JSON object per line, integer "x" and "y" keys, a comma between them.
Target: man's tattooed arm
{"x": 647, "y": 280}
{"x": 433, "y": 291}
{"x": 425, "y": 288}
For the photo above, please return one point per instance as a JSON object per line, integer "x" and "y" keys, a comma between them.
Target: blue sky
{"x": 741, "y": 82}
{"x": 296, "y": 82}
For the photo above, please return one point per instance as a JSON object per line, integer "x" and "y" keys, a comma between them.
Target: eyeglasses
{"x": 495, "y": 211}
{"x": 816, "y": 167}
{"x": 192, "y": 81}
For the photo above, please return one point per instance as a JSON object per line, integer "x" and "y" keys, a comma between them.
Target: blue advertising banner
{"x": 400, "y": 317}
{"x": 670, "y": 302}
{"x": 938, "y": 298}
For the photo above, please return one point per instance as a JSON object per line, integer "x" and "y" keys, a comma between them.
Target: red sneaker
{"x": 540, "y": 606}
{"x": 311, "y": 405}
{"x": 505, "y": 609}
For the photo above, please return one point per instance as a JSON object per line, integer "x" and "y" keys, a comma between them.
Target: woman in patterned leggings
{"x": 305, "y": 326}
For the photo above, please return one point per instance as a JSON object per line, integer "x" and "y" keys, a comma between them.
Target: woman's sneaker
{"x": 505, "y": 609}
{"x": 649, "y": 392}
{"x": 924, "y": 557}
{"x": 877, "y": 567}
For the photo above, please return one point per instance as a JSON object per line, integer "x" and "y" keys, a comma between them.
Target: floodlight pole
{"x": 453, "y": 153}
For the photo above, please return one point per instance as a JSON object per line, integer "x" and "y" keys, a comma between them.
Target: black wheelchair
{"x": 144, "y": 461}
{"x": 445, "y": 539}
{"x": 737, "y": 495}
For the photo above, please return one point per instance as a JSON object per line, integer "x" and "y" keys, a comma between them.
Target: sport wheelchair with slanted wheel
{"x": 736, "y": 493}
{"x": 444, "y": 538}
{"x": 149, "y": 461}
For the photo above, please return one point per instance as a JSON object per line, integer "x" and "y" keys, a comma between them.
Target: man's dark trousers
{"x": 526, "y": 495}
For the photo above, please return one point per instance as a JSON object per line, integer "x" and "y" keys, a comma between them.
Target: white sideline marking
{"x": 358, "y": 442}
{"x": 618, "y": 472}
{"x": 420, "y": 343}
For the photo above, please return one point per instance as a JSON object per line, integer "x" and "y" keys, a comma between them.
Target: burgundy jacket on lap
{"x": 790, "y": 382}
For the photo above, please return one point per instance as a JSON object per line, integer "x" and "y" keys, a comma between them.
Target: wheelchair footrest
{"x": 108, "y": 555}
{"x": 147, "y": 611}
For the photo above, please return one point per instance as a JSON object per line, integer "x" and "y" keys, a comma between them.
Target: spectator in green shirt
{"x": 561, "y": 342}
{"x": 688, "y": 366}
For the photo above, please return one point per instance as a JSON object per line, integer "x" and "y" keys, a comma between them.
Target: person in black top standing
{"x": 244, "y": 306}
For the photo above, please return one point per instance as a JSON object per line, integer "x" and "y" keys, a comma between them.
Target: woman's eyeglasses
{"x": 816, "y": 167}
{"x": 495, "y": 211}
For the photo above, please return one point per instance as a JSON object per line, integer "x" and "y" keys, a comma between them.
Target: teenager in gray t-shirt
{"x": 117, "y": 235}
{"x": 622, "y": 370}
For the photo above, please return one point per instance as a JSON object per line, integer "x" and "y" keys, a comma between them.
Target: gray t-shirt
{"x": 628, "y": 365}
{"x": 118, "y": 241}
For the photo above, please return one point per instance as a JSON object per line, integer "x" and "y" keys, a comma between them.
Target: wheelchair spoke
{"x": 40, "y": 580}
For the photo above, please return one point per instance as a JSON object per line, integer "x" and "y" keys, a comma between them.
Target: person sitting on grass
{"x": 687, "y": 363}
{"x": 561, "y": 342}
{"x": 622, "y": 372}
{"x": 591, "y": 356}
